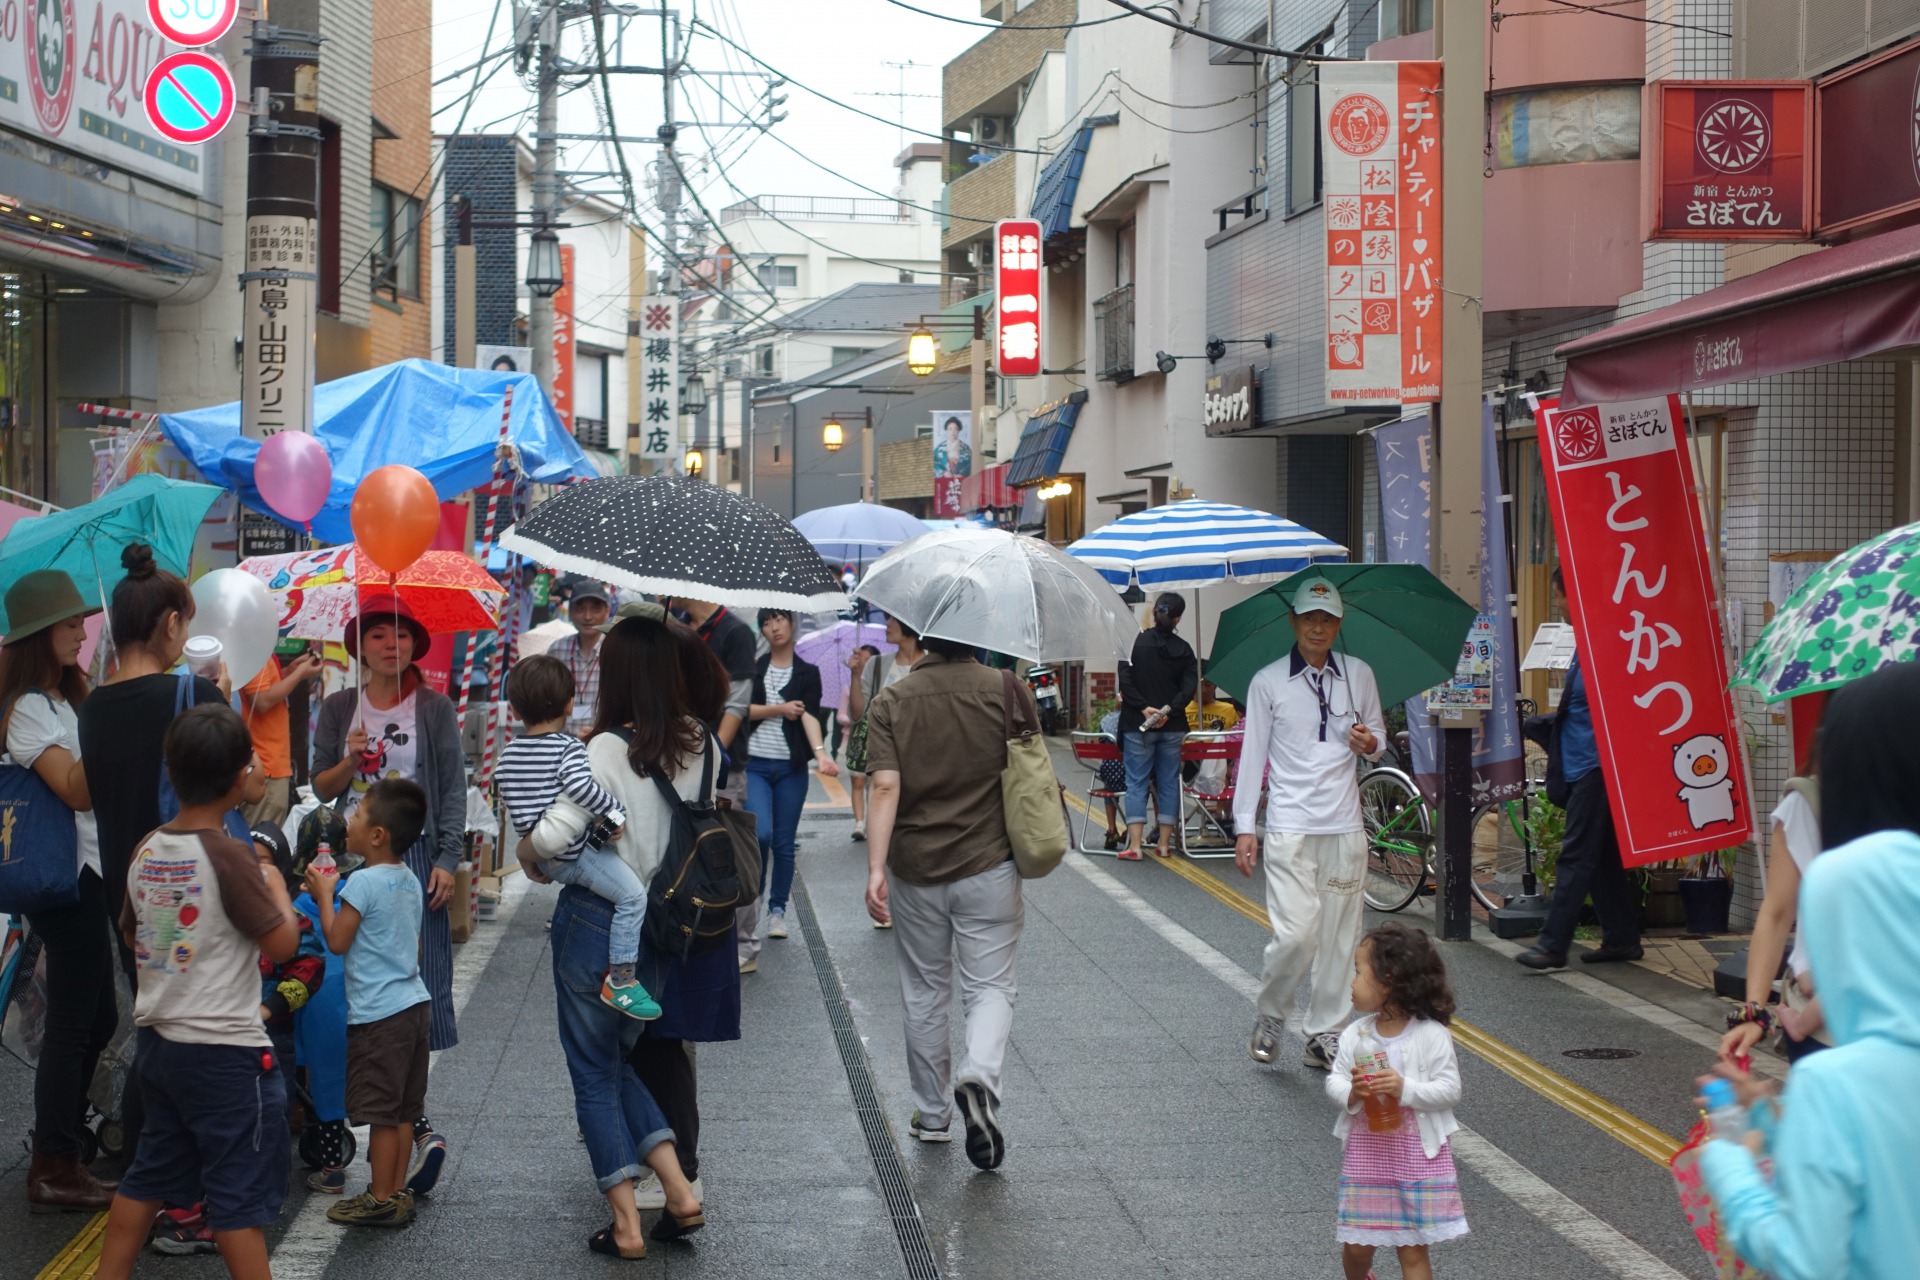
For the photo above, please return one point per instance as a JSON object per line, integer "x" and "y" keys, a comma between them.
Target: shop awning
{"x": 1845, "y": 303}
{"x": 989, "y": 490}
{"x": 1042, "y": 445}
{"x": 1059, "y": 183}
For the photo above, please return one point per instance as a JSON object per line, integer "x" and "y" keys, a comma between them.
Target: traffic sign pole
{"x": 280, "y": 285}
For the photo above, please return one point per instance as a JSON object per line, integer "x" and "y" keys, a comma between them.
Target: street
{"x": 1141, "y": 1139}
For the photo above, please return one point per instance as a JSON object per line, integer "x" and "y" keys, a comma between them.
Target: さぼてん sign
{"x": 1016, "y": 298}
{"x": 1380, "y": 149}
{"x": 1620, "y": 482}
{"x": 1732, "y": 159}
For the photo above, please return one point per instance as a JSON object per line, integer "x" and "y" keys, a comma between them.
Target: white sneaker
{"x": 1264, "y": 1047}
{"x": 1321, "y": 1048}
{"x": 649, "y": 1194}
{"x": 777, "y": 924}
{"x": 860, "y": 830}
{"x": 750, "y": 965}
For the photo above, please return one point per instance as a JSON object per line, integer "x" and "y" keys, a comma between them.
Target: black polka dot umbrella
{"x": 673, "y": 536}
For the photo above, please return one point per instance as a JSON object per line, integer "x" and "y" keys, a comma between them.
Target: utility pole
{"x": 545, "y": 182}
{"x": 465, "y": 280}
{"x": 1459, "y": 35}
{"x": 282, "y": 273}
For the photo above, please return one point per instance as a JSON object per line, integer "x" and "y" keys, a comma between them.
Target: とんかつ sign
{"x": 1733, "y": 160}
{"x": 1380, "y": 161}
{"x": 1632, "y": 551}
{"x": 189, "y": 96}
{"x": 1016, "y": 298}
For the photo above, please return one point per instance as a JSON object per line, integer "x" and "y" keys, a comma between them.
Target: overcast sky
{"x": 840, "y": 47}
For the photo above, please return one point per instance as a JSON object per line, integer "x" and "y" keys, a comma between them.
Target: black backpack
{"x": 699, "y": 882}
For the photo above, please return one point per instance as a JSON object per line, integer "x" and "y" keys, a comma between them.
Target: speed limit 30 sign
{"x": 192, "y": 22}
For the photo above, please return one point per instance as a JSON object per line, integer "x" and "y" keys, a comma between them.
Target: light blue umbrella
{"x": 86, "y": 541}
{"x": 858, "y": 532}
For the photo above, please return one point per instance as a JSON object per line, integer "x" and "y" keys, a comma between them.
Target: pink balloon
{"x": 293, "y": 474}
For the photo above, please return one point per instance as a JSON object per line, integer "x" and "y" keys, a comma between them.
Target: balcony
{"x": 816, "y": 209}
{"x": 977, "y": 200}
{"x": 1113, "y": 334}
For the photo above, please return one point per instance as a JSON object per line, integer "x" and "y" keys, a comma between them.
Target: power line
{"x": 1020, "y": 26}
{"x": 1605, "y": 12}
{"x": 1190, "y": 29}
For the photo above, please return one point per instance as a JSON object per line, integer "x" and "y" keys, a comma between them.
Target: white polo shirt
{"x": 1296, "y": 731}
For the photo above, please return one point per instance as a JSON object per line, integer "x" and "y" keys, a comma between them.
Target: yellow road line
{"x": 1652, "y": 1142}
{"x": 837, "y": 797}
{"x": 81, "y": 1255}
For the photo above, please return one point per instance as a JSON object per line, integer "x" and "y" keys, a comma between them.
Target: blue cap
{"x": 1718, "y": 1094}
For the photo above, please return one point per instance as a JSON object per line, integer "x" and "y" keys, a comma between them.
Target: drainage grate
{"x": 908, "y": 1225}
{"x": 1601, "y": 1055}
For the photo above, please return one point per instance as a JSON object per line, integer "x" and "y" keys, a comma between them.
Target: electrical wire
{"x": 1021, "y": 26}
{"x": 1209, "y": 37}
{"x": 1625, "y": 17}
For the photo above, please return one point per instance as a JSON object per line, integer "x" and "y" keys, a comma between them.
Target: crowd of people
{"x": 658, "y": 711}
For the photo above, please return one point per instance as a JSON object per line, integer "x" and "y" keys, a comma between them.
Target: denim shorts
{"x": 216, "y": 1130}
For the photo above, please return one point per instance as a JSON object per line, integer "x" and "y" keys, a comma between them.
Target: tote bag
{"x": 1030, "y": 793}
{"x": 39, "y": 847}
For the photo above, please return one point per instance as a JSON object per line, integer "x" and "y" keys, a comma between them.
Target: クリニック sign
{"x": 1645, "y": 614}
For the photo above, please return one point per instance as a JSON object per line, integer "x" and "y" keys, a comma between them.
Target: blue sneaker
{"x": 429, "y": 1157}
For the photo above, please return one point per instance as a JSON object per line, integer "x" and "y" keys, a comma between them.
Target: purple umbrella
{"x": 830, "y": 647}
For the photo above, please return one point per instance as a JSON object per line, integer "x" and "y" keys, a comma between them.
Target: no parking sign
{"x": 189, "y": 96}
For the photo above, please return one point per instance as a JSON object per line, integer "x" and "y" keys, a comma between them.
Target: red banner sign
{"x": 1634, "y": 557}
{"x": 1380, "y": 166}
{"x": 561, "y": 392}
{"x": 1868, "y": 161}
{"x": 1732, "y": 159}
{"x": 1016, "y": 298}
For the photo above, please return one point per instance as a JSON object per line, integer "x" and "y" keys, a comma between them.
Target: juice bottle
{"x": 1383, "y": 1112}
{"x": 323, "y": 858}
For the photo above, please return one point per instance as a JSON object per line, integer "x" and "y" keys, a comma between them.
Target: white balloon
{"x": 236, "y": 608}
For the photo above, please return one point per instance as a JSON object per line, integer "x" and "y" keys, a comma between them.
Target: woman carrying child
{"x": 1397, "y": 1187}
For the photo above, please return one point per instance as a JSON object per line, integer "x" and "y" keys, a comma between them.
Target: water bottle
{"x": 323, "y": 859}
{"x": 1726, "y": 1118}
{"x": 1383, "y": 1112}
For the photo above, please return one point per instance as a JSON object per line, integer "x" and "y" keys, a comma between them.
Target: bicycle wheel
{"x": 1399, "y": 828}
{"x": 1499, "y": 854}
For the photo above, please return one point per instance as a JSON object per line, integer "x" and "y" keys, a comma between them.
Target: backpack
{"x": 702, "y": 879}
{"x": 233, "y": 820}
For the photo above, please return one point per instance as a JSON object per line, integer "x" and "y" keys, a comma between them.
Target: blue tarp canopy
{"x": 441, "y": 421}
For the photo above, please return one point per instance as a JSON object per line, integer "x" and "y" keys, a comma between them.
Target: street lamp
{"x": 923, "y": 352}
{"x": 832, "y": 436}
{"x": 693, "y": 397}
{"x": 544, "y": 273}
{"x": 696, "y": 463}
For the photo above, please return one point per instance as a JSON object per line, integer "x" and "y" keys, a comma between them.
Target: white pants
{"x": 976, "y": 921}
{"x": 1313, "y": 902}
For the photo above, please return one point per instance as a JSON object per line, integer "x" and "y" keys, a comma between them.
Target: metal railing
{"x": 1113, "y": 332}
{"x": 818, "y": 209}
{"x": 1243, "y": 206}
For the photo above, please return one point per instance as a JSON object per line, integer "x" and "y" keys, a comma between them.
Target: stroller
{"x": 23, "y": 1013}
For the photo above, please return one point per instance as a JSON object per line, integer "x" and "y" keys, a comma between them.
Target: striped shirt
{"x": 585, "y": 669}
{"x": 535, "y": 771}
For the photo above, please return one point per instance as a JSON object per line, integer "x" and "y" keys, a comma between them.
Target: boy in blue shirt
{"x": 376, "y": 930}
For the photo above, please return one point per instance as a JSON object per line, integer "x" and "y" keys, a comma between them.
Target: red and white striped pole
{"x": 496, "y": 669}
{"x": 121, "y": 415}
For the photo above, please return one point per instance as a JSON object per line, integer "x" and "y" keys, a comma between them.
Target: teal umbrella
{"x": 1400, "y": 620}
{"x": 86, "y": 541}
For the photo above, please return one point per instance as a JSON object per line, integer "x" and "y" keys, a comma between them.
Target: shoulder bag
{"x": 39, "y": 847}
{"x": 1030, "y": 793}
{"x": 872, "y": 677}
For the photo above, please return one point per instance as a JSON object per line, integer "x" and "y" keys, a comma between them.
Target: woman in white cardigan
{"x": 1397, "y": 1183}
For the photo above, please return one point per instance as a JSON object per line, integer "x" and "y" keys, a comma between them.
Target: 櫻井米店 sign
{"x": 1731, "y": 160}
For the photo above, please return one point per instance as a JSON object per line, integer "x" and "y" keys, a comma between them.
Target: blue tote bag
{"x": 39, "y": 847}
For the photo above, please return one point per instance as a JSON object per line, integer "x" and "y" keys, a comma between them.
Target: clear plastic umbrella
{"x": 1003, "y": 592}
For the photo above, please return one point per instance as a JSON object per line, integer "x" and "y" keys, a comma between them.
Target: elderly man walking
{"x": 1308, "y": 716}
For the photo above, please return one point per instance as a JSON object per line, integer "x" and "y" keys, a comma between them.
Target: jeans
{"x": 1153, "y": 754}
{"x": 81, "y": 1014}
{"x": 618, "y": 1118}
{"x": 603, "y": 875}
{"x": 776, "y": 792}
{"x": 1590, "y": 866}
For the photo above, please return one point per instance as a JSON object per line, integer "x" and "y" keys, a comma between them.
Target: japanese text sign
{"x": 1634, "y": 558}
{"x": 277, "y": 325}
{"x": 561, "y": 392}
{"x": 1732, "y": 160}
{"x": 1016, "y": 298}
{"x": 1380, "y": 149}
{"x": 659, "y": 374}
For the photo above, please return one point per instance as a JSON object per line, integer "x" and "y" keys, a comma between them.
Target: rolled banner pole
{"x": 504, "y": 638}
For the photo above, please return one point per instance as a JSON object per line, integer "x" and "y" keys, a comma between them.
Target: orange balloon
{"x": 396, "y": 515}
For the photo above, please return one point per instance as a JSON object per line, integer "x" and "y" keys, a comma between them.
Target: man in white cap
{"x": 1308, "y": 716}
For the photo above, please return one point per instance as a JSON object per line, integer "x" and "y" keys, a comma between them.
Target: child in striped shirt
{"x": 536, "y": 769}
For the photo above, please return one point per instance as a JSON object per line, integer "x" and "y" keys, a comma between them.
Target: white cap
{"x": 1317, "y": 595}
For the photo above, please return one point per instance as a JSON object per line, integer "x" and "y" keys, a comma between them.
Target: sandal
{"x": 670, "y": 1228}
{"x": 602, "y": 1242}
{"x": 1128, "y": 855}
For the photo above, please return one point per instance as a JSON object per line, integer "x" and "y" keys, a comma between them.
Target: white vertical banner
{"x": 659, "y": 377}
{"x": 1380, "y": 190}
{"x": 277, "y": 323}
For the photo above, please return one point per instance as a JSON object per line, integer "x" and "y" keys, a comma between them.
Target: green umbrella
{"x": 1400, "y": 620}
{"x": 1858, "y": 614}
{"x": 86, "y": 541}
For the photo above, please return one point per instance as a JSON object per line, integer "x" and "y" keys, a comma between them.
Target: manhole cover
{"x": 1604, "y": 1055}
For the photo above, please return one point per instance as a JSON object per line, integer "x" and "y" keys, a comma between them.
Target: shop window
{"x": 1303, "y": 127}
{"x": 1566, "y": 125}
{"x": 394, "y": 220}
{"x": 1404, "y": 17}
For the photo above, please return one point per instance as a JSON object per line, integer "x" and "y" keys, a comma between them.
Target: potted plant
{"x": 1707, "y": 895}
{"x": 1663, "y": 908}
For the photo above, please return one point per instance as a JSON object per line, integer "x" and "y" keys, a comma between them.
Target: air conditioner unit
{"x": 993, "y": 131}
{"x": 733, "y": 369}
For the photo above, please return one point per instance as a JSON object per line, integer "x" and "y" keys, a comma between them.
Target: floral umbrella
{"x": 319, "y": 592}
{"x": 1858, "y": 614}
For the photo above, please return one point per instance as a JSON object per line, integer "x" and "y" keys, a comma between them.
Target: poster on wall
{"x": 1380, "y": 190}
{"x": 952, "y": 460}
{"x": 503, "y": 359}
{"x": 1647, "y": 626}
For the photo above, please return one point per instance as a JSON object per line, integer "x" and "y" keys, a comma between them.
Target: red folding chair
{"x": 1209, "y": 816}
{"x": 1094, "y": 750}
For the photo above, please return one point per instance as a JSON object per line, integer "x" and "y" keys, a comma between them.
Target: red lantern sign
{"x": 1016, "y": 298}
{"x": 1732, "y": 160}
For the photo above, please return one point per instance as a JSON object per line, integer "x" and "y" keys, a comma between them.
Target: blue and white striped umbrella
{"x": 1195, "y": 543}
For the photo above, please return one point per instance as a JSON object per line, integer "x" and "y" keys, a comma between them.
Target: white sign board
{"x": 660, "y": 377}
{"x": 276, "y": 326}
{"x": 1552, "y": 648}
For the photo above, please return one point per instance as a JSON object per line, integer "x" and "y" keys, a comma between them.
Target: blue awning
{"x": 1059, "y": 183}
{"x": 1043, "y": 444}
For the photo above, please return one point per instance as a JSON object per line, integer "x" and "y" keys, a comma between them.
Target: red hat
{"x": 375, "y": 610}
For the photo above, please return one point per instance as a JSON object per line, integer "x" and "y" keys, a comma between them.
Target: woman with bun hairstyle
{"x": 122, "y": 726}
{"x": 395, "y": 726}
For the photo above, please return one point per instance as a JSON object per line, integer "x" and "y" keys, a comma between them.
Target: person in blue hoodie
{"x": 1843, "y": 1202}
